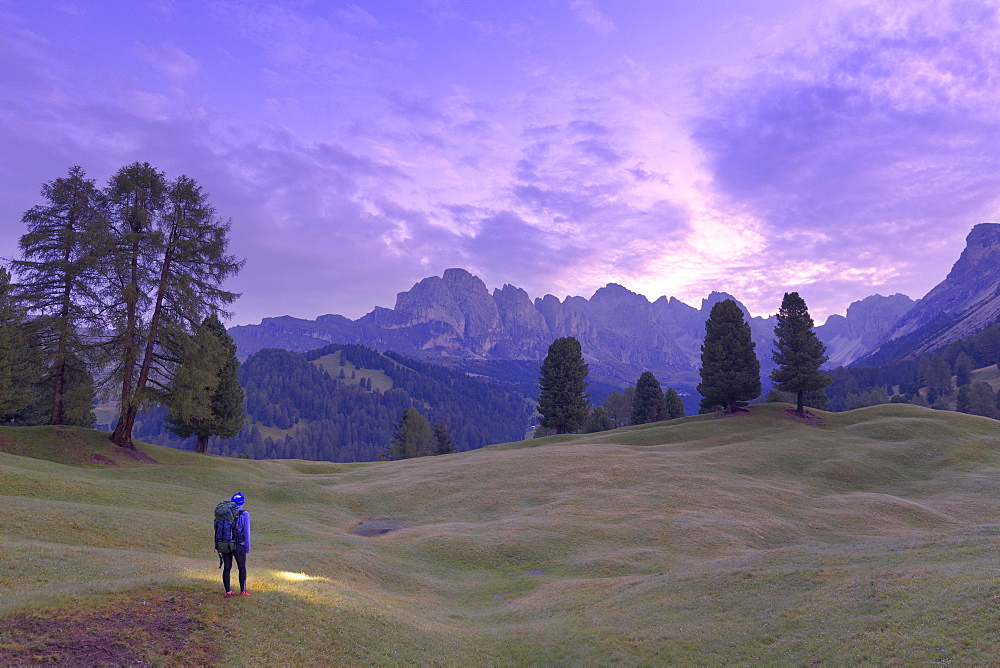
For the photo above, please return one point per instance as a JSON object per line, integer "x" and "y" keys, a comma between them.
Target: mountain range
{"x": 455, "y": 319}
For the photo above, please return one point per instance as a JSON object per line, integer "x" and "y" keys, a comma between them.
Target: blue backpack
{"x": 227, "y": 533}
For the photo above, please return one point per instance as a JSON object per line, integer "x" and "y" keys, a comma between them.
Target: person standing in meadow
{"x": 240, "y": 550}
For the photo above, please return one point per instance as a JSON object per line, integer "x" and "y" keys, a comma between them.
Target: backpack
{"x": 227, "y": 534}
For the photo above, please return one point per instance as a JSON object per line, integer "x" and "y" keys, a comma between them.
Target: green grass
{"x": 866, "y": 538}
{"x": 331, "y": 363}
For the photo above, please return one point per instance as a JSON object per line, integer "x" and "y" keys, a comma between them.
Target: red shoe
{"x": 244, "y": 593}
{"x": 228, "y": 594}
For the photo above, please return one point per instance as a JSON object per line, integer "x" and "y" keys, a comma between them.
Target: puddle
{"x": 379, "y": 527}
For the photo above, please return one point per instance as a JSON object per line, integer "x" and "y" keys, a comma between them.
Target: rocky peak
{"x": 969, "y": 292}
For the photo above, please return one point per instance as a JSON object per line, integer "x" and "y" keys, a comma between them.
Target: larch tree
{"x": 798, "y": 352}
{"x": 647, "y": 404}
{"x": 169, "y": 264}
{"x": 937, "y": 378}
{"x": 977, "y": 399}
{"x": 730, "y": 371}
{"x": 964, "y": 365}
{"x": 564, "y": 401}
{"x": 19, "y": 370}
{"x": 619, "y": 406}
{"x": 205, "y": 398}
{"x": 413, "y": 437}
{"x": 444, "y": 443}
{"x": 60, "y": 279}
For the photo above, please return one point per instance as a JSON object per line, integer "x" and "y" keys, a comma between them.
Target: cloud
{"x": 171, "y": 60}
{"x": 883, "y": 134}
{"x": 590, "y": 15}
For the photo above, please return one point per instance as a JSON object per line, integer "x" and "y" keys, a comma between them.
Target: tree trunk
{"x": 58, "y": 414}
{"x": 800, "y": 407}
{"x": 122, "y": 435}
{"x": 202, "y": 443}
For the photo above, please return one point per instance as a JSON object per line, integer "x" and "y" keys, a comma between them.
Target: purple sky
{"x": 840, "y": 149}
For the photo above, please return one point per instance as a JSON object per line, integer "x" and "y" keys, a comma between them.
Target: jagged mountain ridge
{"x": 967, "y": 300}
{"x": 622, "y": 333}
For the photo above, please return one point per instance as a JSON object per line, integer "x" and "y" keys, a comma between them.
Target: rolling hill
{"x": 860, "y": 537}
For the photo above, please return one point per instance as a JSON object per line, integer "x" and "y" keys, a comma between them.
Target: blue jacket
{"x": 243, "y": 526}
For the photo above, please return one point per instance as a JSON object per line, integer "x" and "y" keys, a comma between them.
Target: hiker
{"x": 240, "y": 550}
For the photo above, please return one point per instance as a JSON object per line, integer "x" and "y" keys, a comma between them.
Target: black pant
{"x": 241, "y": 562}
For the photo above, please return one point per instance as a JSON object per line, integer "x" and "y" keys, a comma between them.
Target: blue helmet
{"x": 237, "y": 499}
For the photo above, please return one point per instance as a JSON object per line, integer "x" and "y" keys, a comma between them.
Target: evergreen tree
{"x": 937, "y": 378}
{"x": 168, "y": 266}
{"x": 60, "y": 277}
{"x": 443, "y": 441}
{"x": 963, "y": 369}
{"x": 19, "y": 371}
{"x": 599, "y": 420}
{"x": 77, "y": 395}
{"x": 205, "y": 398}
{"x": 564, "y": 400}
{"x": 618, "y": 406}
{"x": 673, "y": 404}
{"x": 977, "y": 399}
{"x": 730, "y": 371}
{"x": 413, "y": 438}
{"x": 798, "y": 353}
{"x": 647, "y": 405}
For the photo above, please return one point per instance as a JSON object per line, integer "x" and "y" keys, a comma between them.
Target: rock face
{"x": 622, "y": 333}
{"x": 969, "y": 296}
{"x": 863, "y": 329}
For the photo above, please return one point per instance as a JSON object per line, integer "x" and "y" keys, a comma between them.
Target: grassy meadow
{"x": 866, "y": 537}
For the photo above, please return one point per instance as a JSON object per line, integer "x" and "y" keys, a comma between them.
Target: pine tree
{"x": 798, "y": 353}
{"x": 443, "y": 441}
{"x": 564, "y": 401}
{"x": 647, "y": 405}
{"x": 937, "y": 378}
{"x": 730, "y": 371}
{"x": 673, "y": 404}
{"x": 963, "y": 369}
{"x": 169, "y": 263}
{"x": 19, "y": 371}
{"x": 977, "y": 399}
{"x": 60, "y": 277}
{"x": 413, "y": 437}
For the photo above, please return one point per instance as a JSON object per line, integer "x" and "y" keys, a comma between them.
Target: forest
{"x": 341, "y": 403}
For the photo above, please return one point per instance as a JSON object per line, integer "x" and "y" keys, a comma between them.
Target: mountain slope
{"x": 969, "y": 296}
{"x": 753, "y": 539}
{"x": 454, "y": 317}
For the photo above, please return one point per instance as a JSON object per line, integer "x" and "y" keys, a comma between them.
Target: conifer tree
{"x": 19, "y": 371}
{"x": 963, "y": 369}
{"x": 564, "y": 401}
{"x": 798, "y": 352}
{"x": 413, "y": 437}
{"x": 673, "y": 404}
{"x": 730, "y": 371}
{"x": 60, "y": 276}
{"x": 599, "y": 420}
{"x": 443, "y": 441}
{"x": 647, "y": 405}
{"x": 169, "y": 264}
{"x": 205, "y": 398}
{"x": 977, "y": 399}
{"x": 619, "y": 406}
{"x": 937, "y": 378}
